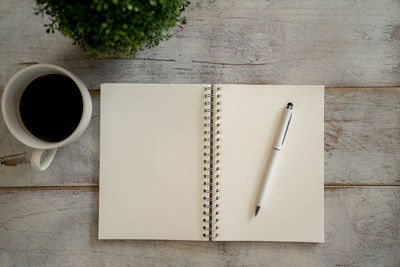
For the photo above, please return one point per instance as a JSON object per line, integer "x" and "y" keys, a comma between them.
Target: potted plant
{"x": 110, "y": 27}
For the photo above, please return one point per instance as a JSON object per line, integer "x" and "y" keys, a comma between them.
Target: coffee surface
{"x": 51, "y": 107}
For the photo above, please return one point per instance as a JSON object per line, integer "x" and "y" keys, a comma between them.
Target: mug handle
{"x": 37, "y": 155}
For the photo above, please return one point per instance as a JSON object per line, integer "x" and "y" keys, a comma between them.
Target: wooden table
{"x": 353, "y": 47}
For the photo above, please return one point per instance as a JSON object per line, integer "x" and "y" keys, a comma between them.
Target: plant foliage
{"x": 109, "y": 27}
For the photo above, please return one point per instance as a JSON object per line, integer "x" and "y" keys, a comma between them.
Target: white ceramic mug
{"x": 10, "y": 108}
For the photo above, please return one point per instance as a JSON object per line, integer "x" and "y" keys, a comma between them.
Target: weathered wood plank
{"x": 362, "y": 133}
{"x": 337, "y": 43}
{"x": 59, "y": 228}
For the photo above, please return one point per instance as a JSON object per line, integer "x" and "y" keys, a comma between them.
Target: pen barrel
{"x": 283, "y": 128}
{"x": 267, "y": 177}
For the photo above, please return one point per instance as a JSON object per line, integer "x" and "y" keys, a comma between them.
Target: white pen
{"x": 275, "y": 152}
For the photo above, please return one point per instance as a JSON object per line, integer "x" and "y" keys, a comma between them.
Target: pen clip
{"x": 287, "y": 126}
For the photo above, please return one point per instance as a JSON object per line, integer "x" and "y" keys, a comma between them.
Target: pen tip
{"x": 289, "y": 105}
{"x": 257, "y": 210}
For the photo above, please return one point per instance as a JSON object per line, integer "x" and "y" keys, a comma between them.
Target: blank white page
{"x": 151, "y": 161}
{"x": 294, "y": 207}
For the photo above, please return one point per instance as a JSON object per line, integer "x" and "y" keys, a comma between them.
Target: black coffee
{"x": 51, "y": 107}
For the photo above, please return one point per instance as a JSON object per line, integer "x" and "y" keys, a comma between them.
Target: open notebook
{"x": 160, "y": 163}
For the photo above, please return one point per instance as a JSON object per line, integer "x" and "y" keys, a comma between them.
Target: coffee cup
{"x": 11, "y": 101}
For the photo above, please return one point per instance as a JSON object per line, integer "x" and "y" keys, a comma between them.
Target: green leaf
{"x": 110, "y": 27}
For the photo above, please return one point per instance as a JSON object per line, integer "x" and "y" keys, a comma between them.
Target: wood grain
{"x": 336, "y": 43}
{"x": 362, "y": 133}
{"x": 59, "y": 228}
{"x": 50, "y": 218}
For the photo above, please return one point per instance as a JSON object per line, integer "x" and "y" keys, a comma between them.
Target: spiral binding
{"x": 212, "y": 131}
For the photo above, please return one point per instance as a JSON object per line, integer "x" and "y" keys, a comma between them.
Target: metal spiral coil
{"x": 211, "y": 168}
